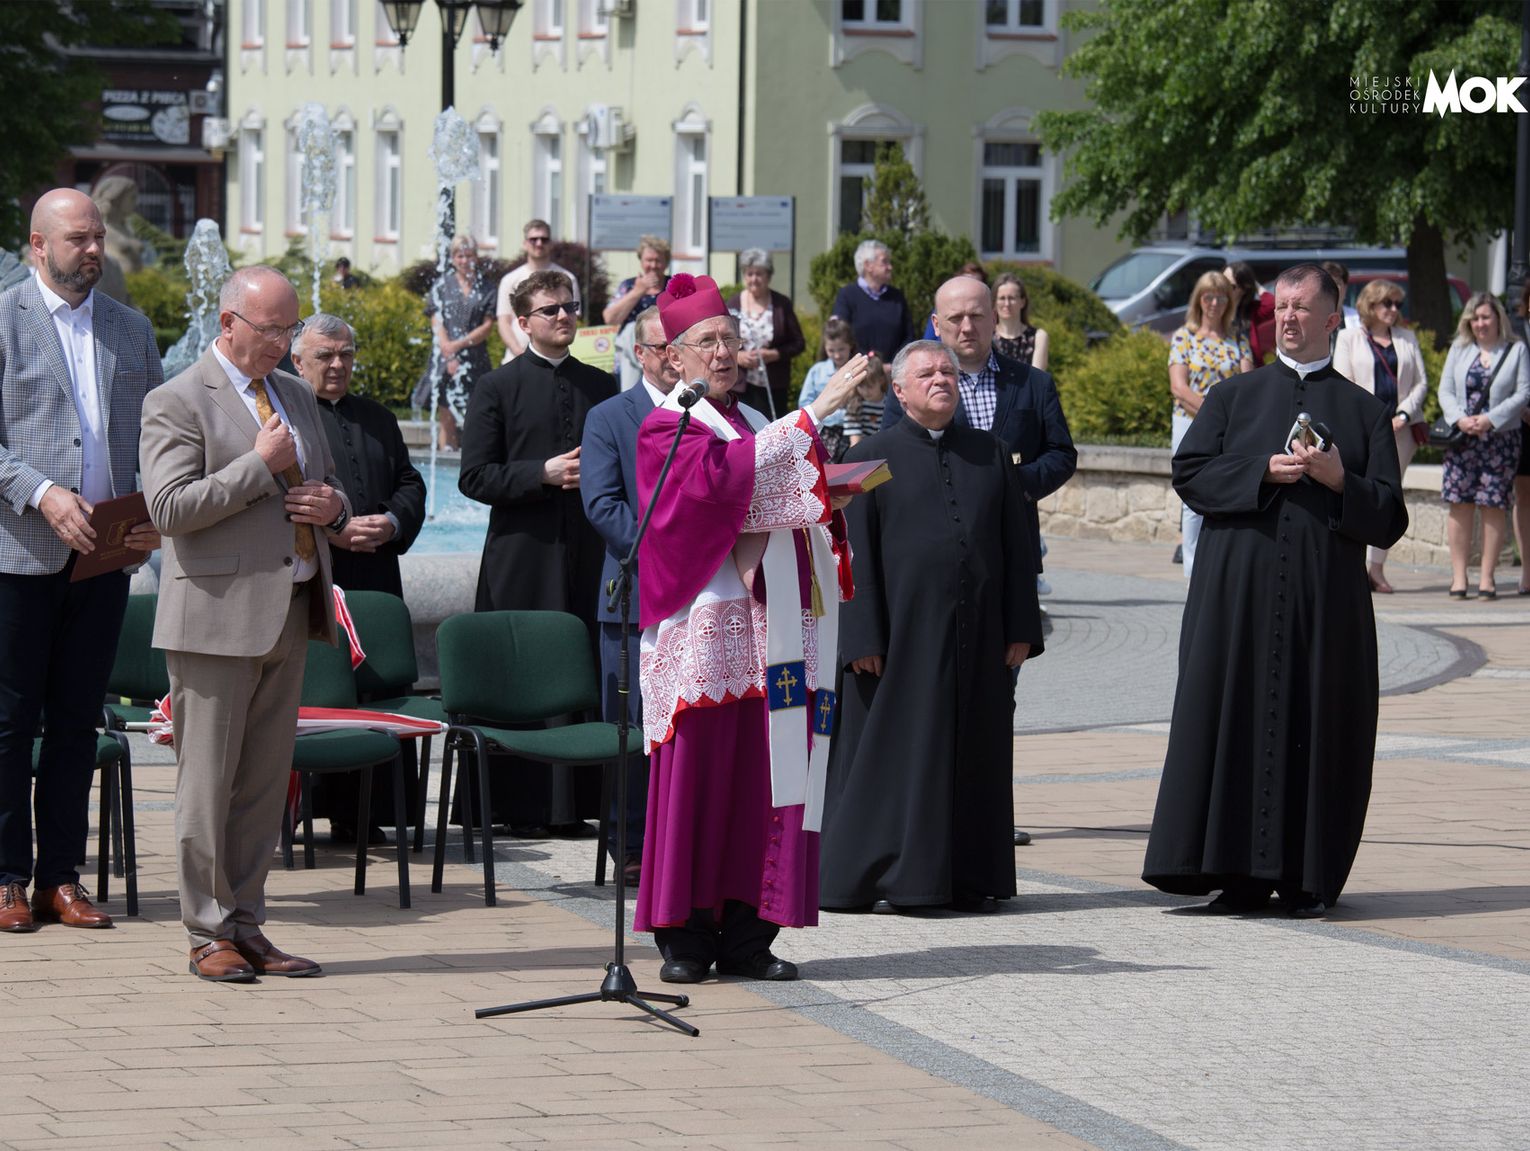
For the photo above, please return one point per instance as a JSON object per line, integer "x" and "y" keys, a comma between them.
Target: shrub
{"x": 392, "y": 337}
{"x": 1119, "y": 389}
{"x": 1058, "y": 298}
{"x": 159, "y": 292}
{"x": 812, "y": 332}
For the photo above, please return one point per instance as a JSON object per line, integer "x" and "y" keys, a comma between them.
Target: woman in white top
{"x": 1384, "y": 359}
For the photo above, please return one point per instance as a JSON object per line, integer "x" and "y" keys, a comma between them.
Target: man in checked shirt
{"x": 1014, "y": 401}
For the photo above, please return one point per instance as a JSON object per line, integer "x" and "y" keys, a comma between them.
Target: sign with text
{"x": 740, "y": 222}
{"x": 596, "y": 347}
{"x": 621, "y": 221}
{"x": 145, "y": 116}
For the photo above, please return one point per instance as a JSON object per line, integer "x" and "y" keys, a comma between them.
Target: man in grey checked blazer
{"x": 74, "y": 368}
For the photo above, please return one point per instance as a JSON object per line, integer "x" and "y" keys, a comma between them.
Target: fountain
{"x": 454, "y": 152}
{"x": 207, "y": 267}
{"x": 316, "y": 145}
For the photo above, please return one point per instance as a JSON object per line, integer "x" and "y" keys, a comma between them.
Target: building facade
{"x": 683, "y": 98}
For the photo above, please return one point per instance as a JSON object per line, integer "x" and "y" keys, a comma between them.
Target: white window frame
{"x": 388, "y": 179}
{"x": 488, "y": 189}
{"x": 547, "y": 184}
{"x": 693, "y": 28}
{"x": 252, "y": 175}
{"x": 689, "y": 229}
{"x": 299, "y": 22}
{"x": 1013, "y": 126}
{"x": 342, "y": 23}
{"x": 342, "y": 218}
{"x": 594, "y": 176}
{"x": 252, "y": 36}
{"x": 880, "y": 123}
{"x": 296, "y": 222}
{"x": 594, "y": 32}
{"x": 996, "y": 42}
{"x": 902, "y": 39}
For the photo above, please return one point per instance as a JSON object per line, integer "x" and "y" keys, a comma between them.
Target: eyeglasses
{"x": 538, "y": 239}
{"x": 1389, "y": 303}
{"x": 1214, "y": 298}
{"x": 276, "y": 333}
{"x": 654, "y": 347}
{"x": 709, "y": 347}
{"x": 550, "y": 311}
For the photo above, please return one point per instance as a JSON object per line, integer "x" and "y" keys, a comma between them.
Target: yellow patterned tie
{"x": 302, "y": 534}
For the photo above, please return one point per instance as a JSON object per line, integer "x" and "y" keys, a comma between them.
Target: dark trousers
{"x": 740, "y": 936}
{"x": 637, "y": 765}
{"x": 57, "y": 644}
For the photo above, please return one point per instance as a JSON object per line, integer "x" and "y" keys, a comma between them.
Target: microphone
{"x": 689, "y": 395}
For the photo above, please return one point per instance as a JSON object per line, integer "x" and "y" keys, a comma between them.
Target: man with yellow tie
{"x": 239, "y": 481}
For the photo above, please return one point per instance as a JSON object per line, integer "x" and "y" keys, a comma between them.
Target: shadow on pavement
{"x": 967, "y": 962}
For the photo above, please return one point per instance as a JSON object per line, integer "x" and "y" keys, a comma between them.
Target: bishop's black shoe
{"x": 1239, "y": 900}
{"x": 760, "y": 965}
{"x": 1305, "y": 906}
{"x": 683, "y": 971}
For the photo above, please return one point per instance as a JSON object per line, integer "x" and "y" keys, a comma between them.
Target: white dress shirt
{"x": 77, "y": 338}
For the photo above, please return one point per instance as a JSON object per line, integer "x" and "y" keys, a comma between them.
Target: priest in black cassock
{"x": 919, "y": 807}
{"x": 1268, "y": 771}
{"x": 520, "y": 455}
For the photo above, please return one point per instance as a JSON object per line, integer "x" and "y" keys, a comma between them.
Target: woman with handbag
{"x": 1483, "y": 392}
{"x": 1384, "y": 359}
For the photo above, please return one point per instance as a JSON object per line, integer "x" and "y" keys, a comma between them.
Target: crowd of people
{"x": 787, "y": 617}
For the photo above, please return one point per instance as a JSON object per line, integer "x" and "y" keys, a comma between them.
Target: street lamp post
{"x": 1519, "y": 264}
{"x": 496, "y": 17}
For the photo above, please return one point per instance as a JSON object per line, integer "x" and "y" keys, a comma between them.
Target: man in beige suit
{"x": 239, "y": 480}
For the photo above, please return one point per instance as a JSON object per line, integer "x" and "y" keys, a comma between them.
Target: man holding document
{"x": 74, "y": 368}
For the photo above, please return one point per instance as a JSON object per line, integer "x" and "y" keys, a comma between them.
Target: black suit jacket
{"x": 374, "y": 469}
{"x": 541, "y": 553}
{"x": 1029, "y": 421}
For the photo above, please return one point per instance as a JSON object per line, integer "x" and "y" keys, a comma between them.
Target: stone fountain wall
{"x": 1125, "y": 494}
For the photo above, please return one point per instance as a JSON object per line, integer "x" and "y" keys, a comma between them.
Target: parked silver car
{"x": 1150, "y": 287}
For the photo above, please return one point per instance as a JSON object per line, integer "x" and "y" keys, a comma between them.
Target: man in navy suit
{"x": 1014, "y": 401}
{"x": 74, "y": 367}
{"x": 608, "y": 485}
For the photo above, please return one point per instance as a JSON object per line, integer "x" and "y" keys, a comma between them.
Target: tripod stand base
{"x": 617, "y": 987}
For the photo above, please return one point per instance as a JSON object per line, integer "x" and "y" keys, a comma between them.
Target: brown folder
{"x": 856, "y": 479}
{"x": 111, "y": 520}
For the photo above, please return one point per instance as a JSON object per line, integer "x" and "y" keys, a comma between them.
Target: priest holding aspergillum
{"x": 743, "y": 570}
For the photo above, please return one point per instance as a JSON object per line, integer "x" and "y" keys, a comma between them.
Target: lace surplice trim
{"x": 713, "y": 655}
{"x": 789, "y": 486}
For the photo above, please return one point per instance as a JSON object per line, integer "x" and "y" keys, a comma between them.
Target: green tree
{"x": 895, "y": 203}
{"x": 49, "y": 94}
{"x": 1240, "y": 112}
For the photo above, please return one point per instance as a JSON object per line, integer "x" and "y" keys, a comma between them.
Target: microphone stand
{"x": 619, "y": 986}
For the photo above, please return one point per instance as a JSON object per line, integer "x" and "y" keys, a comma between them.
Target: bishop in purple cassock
{"x": 743, "y": 567}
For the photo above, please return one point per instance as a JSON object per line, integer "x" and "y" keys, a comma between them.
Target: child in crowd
{"x": 838, "y": 346}
{"x": 863, "y": 414}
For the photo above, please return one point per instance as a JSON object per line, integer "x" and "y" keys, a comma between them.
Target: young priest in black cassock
{"x": 520, "y": 455}
{"x": 919, "y": 809}
{"x": 1268, "y": 772}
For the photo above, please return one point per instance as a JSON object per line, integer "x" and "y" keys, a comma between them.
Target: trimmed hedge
{"x": 1119, "y": 390}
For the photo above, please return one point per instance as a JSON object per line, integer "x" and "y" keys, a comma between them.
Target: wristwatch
{"x": 340, "y": 521}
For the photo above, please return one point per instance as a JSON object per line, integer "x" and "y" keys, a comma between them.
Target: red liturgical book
{"x": 112, "y": 519}
{"x": 856, "y": 479}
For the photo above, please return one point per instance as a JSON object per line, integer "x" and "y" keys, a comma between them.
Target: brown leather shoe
{"x": 67, "y": 904}
{"x": 15, "y": 915}
{"x": 220, "y": 962}
{"x": 267, "y": 959}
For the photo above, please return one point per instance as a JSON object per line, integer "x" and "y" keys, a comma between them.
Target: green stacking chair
{"x": 386, "y": 678}
{"x": 502, "y": 671}
{"x": 329, "y": 682}
{"x": 117, "y": 851}
{"x": 139, "y": 679}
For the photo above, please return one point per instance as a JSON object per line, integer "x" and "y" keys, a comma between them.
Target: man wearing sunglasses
{"x": 520, "y": 455}
{"x": 537, "y": 243}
